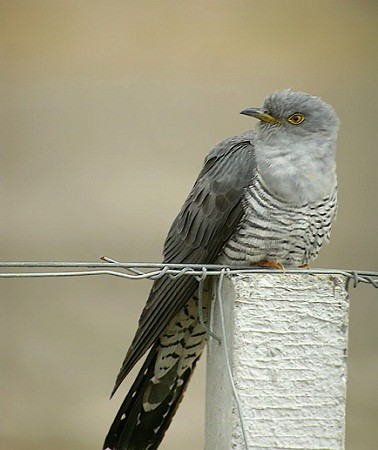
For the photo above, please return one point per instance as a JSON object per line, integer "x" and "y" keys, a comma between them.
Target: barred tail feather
{"x": 151, "y": 403}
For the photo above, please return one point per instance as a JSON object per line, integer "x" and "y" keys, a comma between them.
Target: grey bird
{"x": 266, "y": 197}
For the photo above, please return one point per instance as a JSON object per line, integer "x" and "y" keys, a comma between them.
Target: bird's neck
{"x": 297, "y": 172}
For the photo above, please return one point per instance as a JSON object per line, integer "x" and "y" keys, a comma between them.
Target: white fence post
{"x": 287, "y": 337}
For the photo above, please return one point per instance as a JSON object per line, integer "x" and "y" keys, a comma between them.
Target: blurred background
{"x": 108, "y": 110}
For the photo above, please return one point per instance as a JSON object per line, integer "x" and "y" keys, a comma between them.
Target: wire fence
{"x": 153, "y": 271}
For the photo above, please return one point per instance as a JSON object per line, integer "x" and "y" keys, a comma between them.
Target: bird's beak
{"x": 260, "y": 114}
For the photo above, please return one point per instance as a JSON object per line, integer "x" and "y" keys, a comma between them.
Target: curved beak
{"x": 260, "y": 114}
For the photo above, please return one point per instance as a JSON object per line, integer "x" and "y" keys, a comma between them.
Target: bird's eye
{"x": 296, "y": 118}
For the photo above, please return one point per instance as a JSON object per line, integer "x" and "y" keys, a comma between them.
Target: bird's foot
{"x": 268, "y": 264}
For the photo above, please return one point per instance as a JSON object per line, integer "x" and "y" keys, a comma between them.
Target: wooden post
{"x": 287, "y": 337}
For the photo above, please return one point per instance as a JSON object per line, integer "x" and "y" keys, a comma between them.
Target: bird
{"x": 266, "y": 197}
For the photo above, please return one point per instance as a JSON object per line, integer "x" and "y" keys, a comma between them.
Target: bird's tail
{"x": 151, "y": 403}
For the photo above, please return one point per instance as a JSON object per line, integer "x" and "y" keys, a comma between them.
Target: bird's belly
{"x": 274, "y": 231}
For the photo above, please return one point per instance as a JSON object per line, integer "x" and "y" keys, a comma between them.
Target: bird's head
{"x": 295, "y": 145}
{"x": 296, "y": 114}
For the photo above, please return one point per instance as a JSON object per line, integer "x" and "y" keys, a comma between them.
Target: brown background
{"x": 108, "y": 110}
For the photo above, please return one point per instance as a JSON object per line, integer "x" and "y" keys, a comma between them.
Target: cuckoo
{"x": 267, "y": 197}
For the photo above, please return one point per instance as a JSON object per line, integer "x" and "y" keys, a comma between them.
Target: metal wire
{"x": 153, "y": 271}
{"x": 228, "y": 363}
{"x": 201, "y": 281}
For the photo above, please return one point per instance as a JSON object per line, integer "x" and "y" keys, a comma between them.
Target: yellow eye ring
{"x": 296, "y": 118}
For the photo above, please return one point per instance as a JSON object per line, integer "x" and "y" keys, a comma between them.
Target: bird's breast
{"x": 272, "y": 230}
{"x": 298, "y": 171}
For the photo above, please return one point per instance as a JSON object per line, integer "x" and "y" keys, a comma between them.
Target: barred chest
{"x": 272, "y": 230}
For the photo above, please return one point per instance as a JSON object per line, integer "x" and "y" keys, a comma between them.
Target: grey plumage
{"x": 291, "y": 234}
{"x": 268, "y": 195}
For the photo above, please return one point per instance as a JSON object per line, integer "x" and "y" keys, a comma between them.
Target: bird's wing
{"x": 209, "y": 216}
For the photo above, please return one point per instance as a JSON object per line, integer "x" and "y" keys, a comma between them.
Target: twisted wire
{"x": 153, "y": 271}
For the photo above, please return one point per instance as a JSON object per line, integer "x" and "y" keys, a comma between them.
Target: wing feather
{"x": 206, "y": 221}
